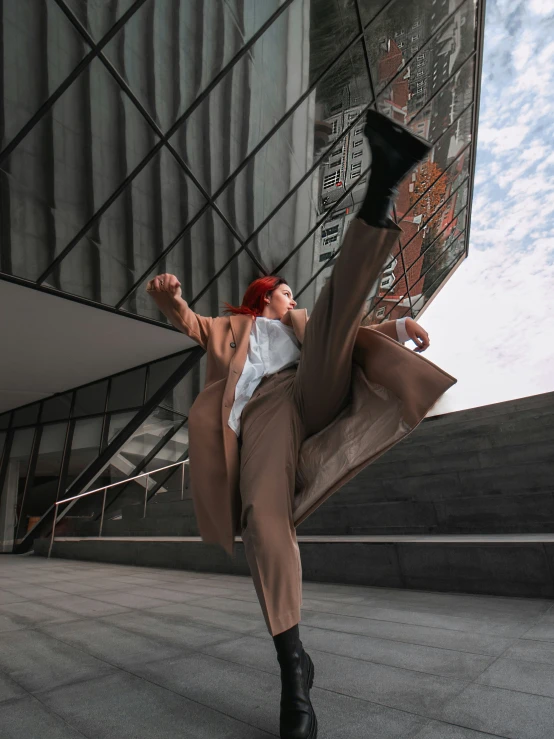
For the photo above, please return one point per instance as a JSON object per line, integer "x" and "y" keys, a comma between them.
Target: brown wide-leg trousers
{"x": 293, "y": 404}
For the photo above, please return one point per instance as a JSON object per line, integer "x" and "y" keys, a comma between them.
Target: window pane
{"x": 195, "y": 259}
{"x": 127, "y": 390}
{"x": 85, "y": 446}
{"x": 184, "y": 393}
{"x": 42, "y": 494}
{"x": 183, "y": 46}
{"x": 5, "y": 420}
{"x": 124, "y": 464}
{"x": 68, "y": 165}
{"x": 144, "y": 219}
{"x": 264, "y": 84}
{"x": 118, "y": 421}
{"x": 292, "y": 151}
{"x": 159, "y": 372}
{"x": 40, "y": 49}
{"x": 437, "y": 273}
{"x": 14, "y": 487}
{"x": 26, "y": 416}
{"x": 98, "y": 18}
{"x": 91, "y": 399}
{"x": 56, "y": 408}
{"x": 393, "y": 31}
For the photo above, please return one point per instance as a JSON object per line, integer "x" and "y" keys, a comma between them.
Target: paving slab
{"x": 440, "y": 730}
{"x": 110, "y": 643}
{"x": 433, "y": 660}
{"x": 170, "y": 628}
{"x": 126, "y": 706}
{"x": 205, "y": 615}
{"x": 506, "y": 713}
{"x": 23, "y": 717}
{"x": 536, "y": 678}
{"x": 37, "y": 661}
{"x": 464, "y": 641}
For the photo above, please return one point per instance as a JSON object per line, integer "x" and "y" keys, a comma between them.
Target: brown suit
{"x": 306, "y": 431}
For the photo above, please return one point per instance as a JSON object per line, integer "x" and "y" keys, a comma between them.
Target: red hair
{"x": 253, "y": 300}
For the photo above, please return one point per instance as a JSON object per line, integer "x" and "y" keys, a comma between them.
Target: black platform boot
{"x": 394, "y": 152}
{"x": 297, "y": 719}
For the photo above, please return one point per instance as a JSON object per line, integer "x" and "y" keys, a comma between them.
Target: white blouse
{"x": 273, "y": 347}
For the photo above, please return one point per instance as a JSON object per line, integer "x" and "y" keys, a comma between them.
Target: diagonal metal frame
{"x": 48, "y": 104}
{"x": 420, "y": 256}
{"x": 360, "y": 36}
{"x": 163, "y": 137}
{"x": 383, "y": 298}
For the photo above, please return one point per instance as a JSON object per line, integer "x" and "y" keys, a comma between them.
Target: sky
{"x": 492, "y": 324}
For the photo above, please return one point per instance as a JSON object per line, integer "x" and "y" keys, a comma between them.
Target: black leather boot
{"x": 297, "y": 719}
{"x": 394, "y": 152}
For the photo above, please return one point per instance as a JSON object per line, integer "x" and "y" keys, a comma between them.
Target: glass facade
{"x": 39, "y": 461}
{"x": 218, "y": 141}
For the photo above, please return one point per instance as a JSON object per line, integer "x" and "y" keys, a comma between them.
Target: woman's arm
{"x": 165, "y": 290}
{"x": 388, "y": 328}
{"x": 411, "y": 330}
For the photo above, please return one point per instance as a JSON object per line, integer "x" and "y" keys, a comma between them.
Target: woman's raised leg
{"x": 323, "y": 378}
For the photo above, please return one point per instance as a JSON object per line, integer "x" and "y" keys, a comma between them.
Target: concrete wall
{"x": 486, "y": 470}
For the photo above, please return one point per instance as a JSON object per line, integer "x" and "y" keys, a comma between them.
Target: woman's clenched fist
{"x": 165, "y": 283}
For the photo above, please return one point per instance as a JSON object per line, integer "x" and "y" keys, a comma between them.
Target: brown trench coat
{"x": 393, "y": 388}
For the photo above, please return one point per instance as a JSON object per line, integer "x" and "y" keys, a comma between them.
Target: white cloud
{"x": 491, "y": 326}
{"x": 541, "y": 7}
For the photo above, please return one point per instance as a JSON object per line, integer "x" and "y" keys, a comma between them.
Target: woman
{"x": 281, "y": 395}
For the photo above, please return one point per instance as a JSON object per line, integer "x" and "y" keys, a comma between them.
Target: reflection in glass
{"x": 5, "y": 420}
{"x": 333, "y": 25}
{"x": 229, "y": 287}
{"x": 128, "y": 462}
{"x": 98, "y": 16}
{"x": 195, "y": 259}
{"x": 405, "y": 30}
{"x": 283, "y": 162}
{"x": 150, "y": 212}
{"x": 438, "y": 270}
{"x": 264, "y": 84}
{"x": 169, "y": 51}
{"x": 118, "y": 421}
{"x": 42, "y": 493}
{"x": 413, "y": 262}
{"x": 40, "y": 48}
{"x": 67, "y": 166}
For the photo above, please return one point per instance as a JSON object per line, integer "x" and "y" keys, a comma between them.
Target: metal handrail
{"x": 112, "y": 485}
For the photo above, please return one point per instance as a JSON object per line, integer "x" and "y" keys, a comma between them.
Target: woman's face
{"x": 279, "y": 302}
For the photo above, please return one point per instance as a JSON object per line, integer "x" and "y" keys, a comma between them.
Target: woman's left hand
{"x": 417, "y": 334}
